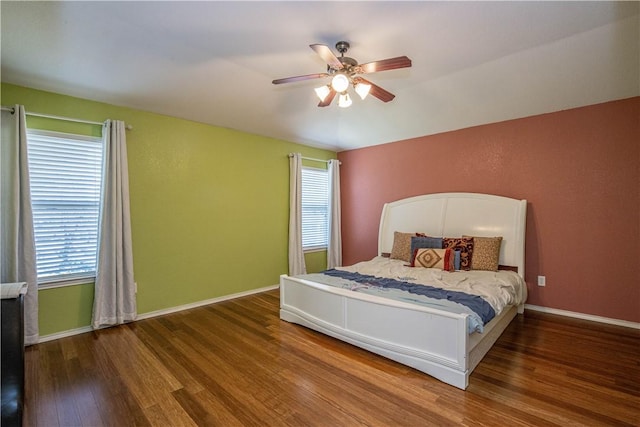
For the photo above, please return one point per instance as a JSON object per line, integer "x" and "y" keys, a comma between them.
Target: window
{"x": 66, "y": 173}
{"x": 315, "y": 208}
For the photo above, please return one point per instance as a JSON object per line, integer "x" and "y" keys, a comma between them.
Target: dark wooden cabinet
{"x": 12, "y": 360}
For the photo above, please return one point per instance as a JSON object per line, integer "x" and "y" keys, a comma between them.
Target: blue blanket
{"x": 474, "y": 302}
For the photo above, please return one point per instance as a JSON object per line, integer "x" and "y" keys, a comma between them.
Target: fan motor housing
{"x": 348, "y": 62}
{"x": 349, "y": 65}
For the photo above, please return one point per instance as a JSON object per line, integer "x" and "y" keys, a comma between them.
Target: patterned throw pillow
{"x": 420, "y": 242}
{"x": 486, "y": 253}
{"x": 434, "y": 258}
{"x": 462, "y": 244}
{"x": 402, "y": 245}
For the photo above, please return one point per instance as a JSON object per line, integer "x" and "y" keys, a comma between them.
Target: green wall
{"x": 209, "y": 207}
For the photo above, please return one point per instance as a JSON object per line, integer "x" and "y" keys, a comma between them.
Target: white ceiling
{"x": 213, "y": 62}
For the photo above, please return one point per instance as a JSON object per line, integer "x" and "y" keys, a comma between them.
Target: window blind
{"x": 315, "y": 208}
{"x": 65, "y": 173}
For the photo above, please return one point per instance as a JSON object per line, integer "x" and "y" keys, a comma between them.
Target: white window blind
{"x": 315, "y": 208}
{"x": 65, "y": 172}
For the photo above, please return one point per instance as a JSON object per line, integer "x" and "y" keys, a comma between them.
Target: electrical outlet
{"x": 135, "y": 287}
{"x": 542, "y": 281}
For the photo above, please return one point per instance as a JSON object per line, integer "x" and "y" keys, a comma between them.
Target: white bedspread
{"x": 499, "y": 288}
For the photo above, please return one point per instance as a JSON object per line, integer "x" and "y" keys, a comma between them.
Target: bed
{"x": 432, "y": 339}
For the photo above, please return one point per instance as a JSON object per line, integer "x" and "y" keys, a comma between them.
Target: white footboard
{"x": 432, "y": 341}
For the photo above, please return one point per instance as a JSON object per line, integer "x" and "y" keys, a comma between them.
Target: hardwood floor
{"x": 235, "y": 363}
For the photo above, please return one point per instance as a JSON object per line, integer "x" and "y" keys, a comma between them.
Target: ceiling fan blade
{"x": 327, "y": 55}
{"x": 300, "y": 78}
{"x": 377, "y": 91}
{"x": 328, "y": 99}
{"x": 385, "y": 64}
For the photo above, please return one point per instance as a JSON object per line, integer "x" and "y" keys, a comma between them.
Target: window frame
{"x": 68, "y": 279}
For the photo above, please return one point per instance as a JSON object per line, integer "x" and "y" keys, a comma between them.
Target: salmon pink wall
{"x": 578, "y": 170}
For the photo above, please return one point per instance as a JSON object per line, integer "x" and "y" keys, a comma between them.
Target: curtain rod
{"x": 312, "y": 159}
{"x": 67, "y": 119}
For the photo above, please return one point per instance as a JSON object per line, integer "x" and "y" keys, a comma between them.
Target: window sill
{"x": 87, "y": 280}
{"x": 319, "y": 249}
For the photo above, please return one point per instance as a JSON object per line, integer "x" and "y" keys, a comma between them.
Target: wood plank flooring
{"x": 236, "y": 363}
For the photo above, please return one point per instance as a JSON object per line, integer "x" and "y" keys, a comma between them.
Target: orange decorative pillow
{"x": 434, "y": 258}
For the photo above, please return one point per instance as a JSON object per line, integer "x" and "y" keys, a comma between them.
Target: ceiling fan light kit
{"x": 345, "y": 100}
{"x": 340, "y": 82}
{"x": 323, "y": 92}
{"x": 344, "y": 73}
{"x": 362, "y": 89}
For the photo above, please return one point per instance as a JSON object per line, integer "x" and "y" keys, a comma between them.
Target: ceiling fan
{"x": 345, "y": 71}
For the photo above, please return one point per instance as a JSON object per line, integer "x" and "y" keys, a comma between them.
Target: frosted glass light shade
{"x": 344, "y": 101}
{"x": 323, "y": 92}
{"x": 340, "y": 83}
{"x": 363, "y": 89}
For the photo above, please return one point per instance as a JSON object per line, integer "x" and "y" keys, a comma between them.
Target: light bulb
{"x": 340, "y": 83}
{"x": 344, "y": 101}
{"x": 323, "y": 92}
{"x": 363, "y": 89}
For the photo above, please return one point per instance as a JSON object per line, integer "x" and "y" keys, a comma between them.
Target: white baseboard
{"x": 170, "y": 310}
{"x": 583, "y": 316}
{"x": 64, "y": 334}
{"x": 156, "y": 313}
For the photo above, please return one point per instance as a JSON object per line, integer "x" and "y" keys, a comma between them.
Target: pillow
{"x": 462, "y": 244}
{"x": 419, "y": 242}
{"x": 456, "y": 260}
{"x": 402, "y": 245}
{"x": 434, "y": 258}
{"x": 486, "y": 253}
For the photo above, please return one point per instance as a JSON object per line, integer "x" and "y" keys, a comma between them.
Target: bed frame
{"x": 432, "y": 341}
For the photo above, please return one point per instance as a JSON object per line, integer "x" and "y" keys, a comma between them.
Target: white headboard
{"x": 455, "y": 214}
